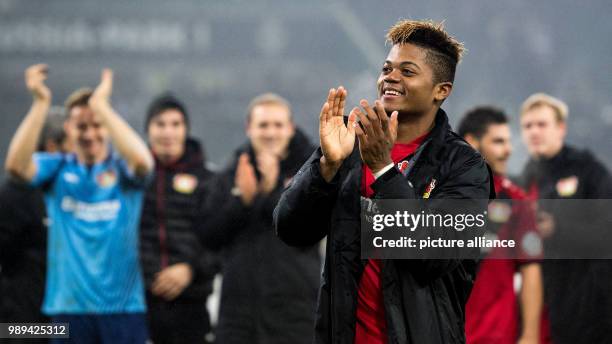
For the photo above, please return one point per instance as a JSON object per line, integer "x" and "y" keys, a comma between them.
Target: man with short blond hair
{"x": 269, "y": 289}
{"x": 578, "y": 292}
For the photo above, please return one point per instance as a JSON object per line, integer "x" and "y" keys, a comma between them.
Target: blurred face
{"x": 406, "y": 83}
{"x": 52, "y": 146}
{"x": 270, "y": 129}
{"x": 86, "y": 134}
{"x": 167, "y": 135}
{"x": 495, "y": 146}
{"x": 542, "y": 132}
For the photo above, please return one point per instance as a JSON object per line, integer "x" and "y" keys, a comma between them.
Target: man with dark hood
{"x": 178, "y": 272}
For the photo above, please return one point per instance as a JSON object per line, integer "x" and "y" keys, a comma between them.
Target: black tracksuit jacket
{"x": 424, "y": 299}
{"x": 168, "y": 223}
{"x": 577, "y": 292}
{"x": 269, "y": 289}
{"x": 23, "y": 253}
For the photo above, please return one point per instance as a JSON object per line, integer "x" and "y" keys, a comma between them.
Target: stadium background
{"x": 217, "y": 55}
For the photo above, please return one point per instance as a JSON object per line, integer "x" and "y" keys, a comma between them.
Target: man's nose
{"x": 392, "y": 77}
{"x": 269, "y": 133}
{"x": 89, "y": 133}
{"x": 166, "y": 132}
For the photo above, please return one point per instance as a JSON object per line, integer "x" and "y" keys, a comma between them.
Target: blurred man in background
{"x": 578, "y": 292}
{"x": 93, "y": 199}
{"x": 269, "y": 289}
{"x": 178, "y": 272}
{"x": 23, "y": 237}
{"x": 492, "y": 312}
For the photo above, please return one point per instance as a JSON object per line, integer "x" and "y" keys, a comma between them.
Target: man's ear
{"x": 563, "y": 127}
{"x": 473, "y": 141}
{"x": 292, "y": 128}
{"x": 442, "y": 91}
{"x": 67, "y": 127}
{"x": 247, "y": 127}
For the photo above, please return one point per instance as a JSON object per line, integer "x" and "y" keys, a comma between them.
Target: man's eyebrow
{"x": 404, "y": 63}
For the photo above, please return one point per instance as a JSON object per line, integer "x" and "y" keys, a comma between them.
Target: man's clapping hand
{"x": 35, "y": 77}
{"x": 336, "y": 138}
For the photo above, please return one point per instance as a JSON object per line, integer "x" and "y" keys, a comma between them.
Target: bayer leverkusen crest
{"x": 107, "y": 179}
{"x": 499, "y": 212}
{"x": 402, "y": 166}
{"x": 184, "y": 183}
{"x": 567, "y": 187}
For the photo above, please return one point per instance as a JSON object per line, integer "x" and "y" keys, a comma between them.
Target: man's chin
{"x": 501, "y": 170}
{"x": 537, "y": 151}
{"x": 388, "y": 105}
{"x": 93, "y": 153}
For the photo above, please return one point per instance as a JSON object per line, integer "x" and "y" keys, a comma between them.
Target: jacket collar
{"x": 193, "y": 156}
{"x": 436, "y": 140}
{"x": 300, "y": 148}
{"x": 539, "y": 168}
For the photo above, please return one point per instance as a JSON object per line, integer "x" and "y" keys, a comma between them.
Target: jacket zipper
{"x": 161, "y": 219}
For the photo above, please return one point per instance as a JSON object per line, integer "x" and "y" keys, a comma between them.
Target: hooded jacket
{"x": 269, "y": 288}
{"x": 167, "y": 226}
{"x": 424, "y": 299}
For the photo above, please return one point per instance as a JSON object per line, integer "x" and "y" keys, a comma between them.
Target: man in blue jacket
{"x": 93, "y": 199}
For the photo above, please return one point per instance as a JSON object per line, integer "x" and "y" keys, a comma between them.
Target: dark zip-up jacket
{"x": 269, "y": 289}
{"x": 577, "y": 292}
{"x": 23, "y": 253}
{"x": 424, "y": 299}
{"x": 167, "y": 232}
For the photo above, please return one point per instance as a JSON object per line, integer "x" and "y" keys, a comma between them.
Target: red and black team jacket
{"x": 167, "y": 233}
{"x": 577, "y": 292}
{"x": 424, "y": 299}
{"x": 492, "y": 311}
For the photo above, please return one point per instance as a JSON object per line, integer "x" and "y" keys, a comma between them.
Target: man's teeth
{"x": 392, "y": 93}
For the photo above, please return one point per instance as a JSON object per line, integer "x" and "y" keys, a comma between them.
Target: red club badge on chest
{"x": 184, "y": 183}
{"x": 106, "y": 179}
{"x": 499, "y": 212}
{"x": 402, "y": 165}
{"x": 567, "y": 187}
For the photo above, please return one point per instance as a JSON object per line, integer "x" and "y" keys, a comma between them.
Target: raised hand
{"x": 245, "y": 180}
{"x": 35, "y": 77}
{"x": 336, "y": 138}
{"x": 102, "y": 93}
{"x": 268, "y": 164}
{"x": 376, "y": 135}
